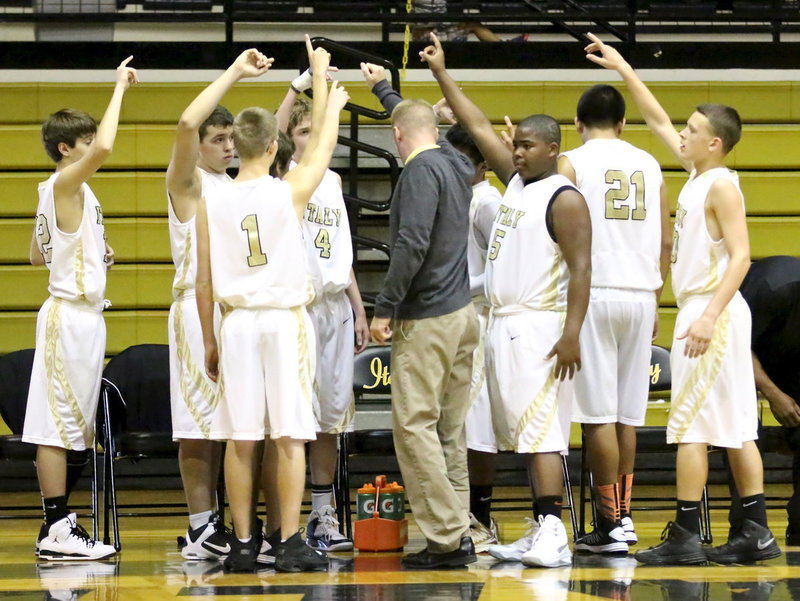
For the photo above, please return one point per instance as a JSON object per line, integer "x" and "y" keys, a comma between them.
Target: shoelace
{"x": 220, "y": 527}
{"x": 665, "y": 532}
{"x": 330, "y": 524}
{"x": 80, "y": 533}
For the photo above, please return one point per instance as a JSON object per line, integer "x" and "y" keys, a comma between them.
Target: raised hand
{"x": 609, "y": 57}
{"x": 319, "y": 59}
{"x": 252, "y": 63}
{"x": 126, "y": 75}
{"x": 507, "y": 135}
{"x": 433, "y": 55}
{"x": 442, "y": 110}
{"x": 373, "y": 74}
{"x": 337, "y": 97}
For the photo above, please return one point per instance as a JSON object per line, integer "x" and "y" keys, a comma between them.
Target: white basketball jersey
{"x": 483, "y": 207}
{"x": 622, "y": 188}
{"x": 698, "y": 262}
{"x": 183, "y": 237}
{"x": 76, "y": 261}
{"x": 258, "y": 259}
{"x": 327, "y": 235}
{"x": 525, "y": 268}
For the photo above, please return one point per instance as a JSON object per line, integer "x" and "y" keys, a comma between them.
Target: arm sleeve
{"x": 387, "y": 95}
{"x": 415, "y": 208}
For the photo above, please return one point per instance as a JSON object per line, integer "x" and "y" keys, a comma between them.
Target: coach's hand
{"x": 380, "y": 330}
{"x": 567, "y": 352}
{"x": 373, "y": 74}
{"x": 785, "y": 409}
{"x": 212, "y": 361}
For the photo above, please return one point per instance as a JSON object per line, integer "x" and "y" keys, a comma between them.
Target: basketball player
{"x": 69, "y": 238}
{"x": 631, "y": 242}
{"x": 713, "y": 387}
{"x": 202, "y": 151}
{"x": 252, "y": 260}
{"x": 537, "y": 279}
{"x": 339, "y": 320}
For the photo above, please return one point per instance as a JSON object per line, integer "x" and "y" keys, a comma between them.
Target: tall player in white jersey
{"x": 340, "y": 322}
{"x": 713, "y": 386}
{"x": 251, "y": 257}
{"x": 537, "y": 280}
{"x": 202, "y": 151}
{"x": 69, "y": 238}
{"x": 631, "y": 241}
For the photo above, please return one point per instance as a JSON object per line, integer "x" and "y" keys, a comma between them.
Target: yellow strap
{"x": 406, "y": 41}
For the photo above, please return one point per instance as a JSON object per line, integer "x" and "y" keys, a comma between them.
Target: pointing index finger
{"x": 126, "y": 61}
{"x": 309, "y": 46}
{"x": 436, "y": 43}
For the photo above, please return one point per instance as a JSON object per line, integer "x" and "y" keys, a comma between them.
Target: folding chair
{"x": 136, "y": 422}
{"x": 648, "y": 440}
{"x": 15, "y": 377}
{"x": 373, "y": 376}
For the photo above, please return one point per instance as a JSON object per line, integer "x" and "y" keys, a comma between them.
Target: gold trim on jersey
{"x": 180, "y": 283}
{"x": 548, "y": 392}
{"x": 550, "y": 296}
{"x": 686, "y": 405}
{"x": 303, "y": 356}
{"x": 80, "y": 270}
{"x": 54, "y": 367}
{"x": 192, "y": 381}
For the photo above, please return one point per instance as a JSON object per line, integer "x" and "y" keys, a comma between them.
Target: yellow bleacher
{"x": 131, "y": 185}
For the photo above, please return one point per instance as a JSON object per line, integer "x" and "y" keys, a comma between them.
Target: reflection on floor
{"x": 151, "y": 568}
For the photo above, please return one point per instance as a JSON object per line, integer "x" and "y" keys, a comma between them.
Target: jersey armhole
{"x": 548, "y": 215}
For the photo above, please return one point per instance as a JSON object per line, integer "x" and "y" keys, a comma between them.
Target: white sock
{"x": 321, "y": 495}
{"x": 246, "y": 540}
{"x": 199, "y": 519}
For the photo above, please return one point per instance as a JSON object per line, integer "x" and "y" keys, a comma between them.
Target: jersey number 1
{"x": 256, "y": 256}
{"x": 614, "y": 195}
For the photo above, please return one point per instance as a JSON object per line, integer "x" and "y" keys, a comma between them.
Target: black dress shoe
{"x": 425, "y": 560}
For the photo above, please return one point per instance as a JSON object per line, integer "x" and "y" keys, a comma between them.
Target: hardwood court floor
{"x": 151, "y": 568}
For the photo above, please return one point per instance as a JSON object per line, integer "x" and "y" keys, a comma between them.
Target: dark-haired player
{"x": 631, "y": 242}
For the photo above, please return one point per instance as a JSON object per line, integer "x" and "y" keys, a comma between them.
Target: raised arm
{"x": 204, "y": 292}
{"x": 725, "y": 203}
{"x": 654, "y": 114}
{"x": 183, "y": 180}
{"x": 497, "y": 155}
{"x": 299, "y": 84}
{"x": 375, "y": 76}
{"x": 73, "y": 176}
{"x": 573, "y": 228}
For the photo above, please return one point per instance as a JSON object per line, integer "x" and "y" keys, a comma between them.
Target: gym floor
{"x": 150, "y": 567}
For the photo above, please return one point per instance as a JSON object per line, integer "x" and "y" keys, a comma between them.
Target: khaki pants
{"x": 431, "y": 372}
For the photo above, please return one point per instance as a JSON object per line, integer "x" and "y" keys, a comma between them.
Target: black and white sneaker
{"x": 66, "y": 540}
{"x": 752, "y": 542}
{"x": 294, "y": 555}
{"x": 211, "y": 541}
{"x": 43, "y": 530}
{"x": 679, "y": 547}
{"x": 600, "y": 541}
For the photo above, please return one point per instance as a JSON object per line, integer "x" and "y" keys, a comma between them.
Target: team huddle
{"x": 510, "y": 317}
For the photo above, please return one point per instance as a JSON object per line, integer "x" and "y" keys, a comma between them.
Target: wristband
{"x": 302, "y": 82}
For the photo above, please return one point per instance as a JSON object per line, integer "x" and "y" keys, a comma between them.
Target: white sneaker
{"x": 550, "y": 547}
{"x": 482, "y": 537}
{"x": 67, "y": 541}
{"x": 322, "y": 532}
{"x": 210, "y": 541}
{"x": 548, "y": 585}
{"x": 515, "y": 550}
{"x": 629, "y": 530}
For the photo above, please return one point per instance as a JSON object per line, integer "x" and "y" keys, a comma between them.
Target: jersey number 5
{"x": 256, "y": 256}
{"x": 621, "y": 192}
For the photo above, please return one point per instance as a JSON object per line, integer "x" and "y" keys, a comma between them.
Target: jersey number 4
{"x": 323, "y": 243}
{"x": 256, "y": 256}
{"x": 622, "y": 191}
